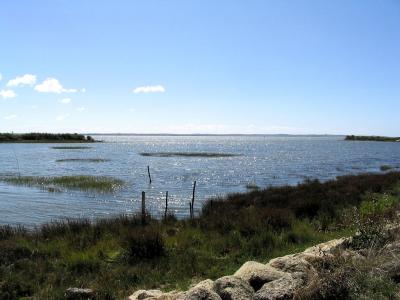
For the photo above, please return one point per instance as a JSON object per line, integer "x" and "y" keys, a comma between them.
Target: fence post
{"x": 148, "y": 172}
{"x": 166, "y": 205}
{"x": 143, "y": 208}
{"x": 192, "y": 205}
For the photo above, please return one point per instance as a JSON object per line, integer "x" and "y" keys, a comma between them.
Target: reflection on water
{"x": 261, "y": 160}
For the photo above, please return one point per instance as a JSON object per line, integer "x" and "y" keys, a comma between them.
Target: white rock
{"x": 257, "y": 274}
{"x": 233, "y": 288}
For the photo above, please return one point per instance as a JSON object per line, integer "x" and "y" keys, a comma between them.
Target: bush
{"x": 145, "y": 243}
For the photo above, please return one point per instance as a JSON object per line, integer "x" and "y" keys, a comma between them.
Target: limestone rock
{"x": 233, "y": 288}
{"x": 201, "y": 293}
{"x": 257, "y": 274}
{"x": 79, "y": 293}
{"x": 280, "y": 289}
{"x": 143, "y": 294}
{"x": 174, "y": 295}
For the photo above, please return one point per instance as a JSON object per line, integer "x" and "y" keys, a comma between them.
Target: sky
{"x": 200, "y": 66}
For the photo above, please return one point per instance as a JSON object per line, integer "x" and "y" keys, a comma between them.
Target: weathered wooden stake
{"x": 192, "y": 206}
{"x": 143, "y": 208}
{"x": 166, "y": 205}
{"x": 190, "y": 209}
{"x": 148, "y": 172}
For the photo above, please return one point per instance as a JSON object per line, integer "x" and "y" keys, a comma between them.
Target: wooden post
{"x": 166, "y": 205}
{"x": 148, "y": 172}
{"x": 143, "y": 208}
{"x": 190, "y": 210}
{"x": 192, "y": 206}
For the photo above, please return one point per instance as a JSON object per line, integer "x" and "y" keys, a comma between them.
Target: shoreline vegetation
{"x": 35, "y": 137}
{"x": 71, "y": 147}
{"x": 93, "y": 160}
{"x": 119, "y": 255}
{"x": 187, "y": 154}
{"x": 372, "y": 138}
{"x": 99, "y": 184}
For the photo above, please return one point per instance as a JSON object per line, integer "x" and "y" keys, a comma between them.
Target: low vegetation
{"x": 70, "y": 147}
{"x": 386, "y": 168}
{"x": 79, "y": 182}
{"x": 372, "y": 138}
{"x": 120, "y": 255}
{"x": 45, "y": 138}
{"x": 187, "y": 154}
{"x": 93, "y": 160}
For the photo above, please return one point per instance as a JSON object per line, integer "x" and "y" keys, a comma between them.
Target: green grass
{"x": 187, "y": 154}
{"x": 79, "y": 182}
{"x": 119, "y": 255}
{"x": 94, "y": 160}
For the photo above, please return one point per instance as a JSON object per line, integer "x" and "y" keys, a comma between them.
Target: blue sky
{"x": 205, "y": 66}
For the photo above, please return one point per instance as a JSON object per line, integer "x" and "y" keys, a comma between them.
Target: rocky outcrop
{"x": 157, "y": 294}
{"x": 277, "y": 280}
{"x": 79, "y": 294}
{"x": 233, "y": 288}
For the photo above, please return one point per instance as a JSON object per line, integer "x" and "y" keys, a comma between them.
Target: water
{"x": 263, "y": 160}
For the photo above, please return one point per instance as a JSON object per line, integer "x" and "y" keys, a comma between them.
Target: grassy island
{"x": 372, "y": 138}
{"x": 80, "y": 182}
{"x": 45, "y": 138}
{"x": 119, "y": 255}
{"x": 187, "y": 154}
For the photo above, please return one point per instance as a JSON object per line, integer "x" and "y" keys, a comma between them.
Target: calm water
{"x": 264, "y": 161}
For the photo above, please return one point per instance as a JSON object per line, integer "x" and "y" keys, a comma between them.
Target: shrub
{"x": 146, "y": 243}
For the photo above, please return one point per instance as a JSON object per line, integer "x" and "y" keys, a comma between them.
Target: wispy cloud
{"x": 62, "y": 117}
{"x": 7, "y": 94}
{"x": 149, "y": 89}
{"x": 27, "y": 79}
{"x": 80, "y": 109}
{"x": 65, "y": 100}
{"x": 52, "y": 85}
{"x": 10, "y": 117}
{"x": 1, "y": 77}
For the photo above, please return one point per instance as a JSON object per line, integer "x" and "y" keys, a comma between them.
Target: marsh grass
{"x": 80, "y": 182}
{"x": 71, "y": 147}
{"x": 384, "y": 168}
{"x": 187, "y": 154}
{"x": 252, "y": 186}
{"x": 93, "y": 160}
{"x": 119, "y": 255}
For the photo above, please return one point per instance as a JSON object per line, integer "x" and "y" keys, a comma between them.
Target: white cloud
{"x": 27, "y": 79}
{"x": 62, "y": 117}
{"x": 10, "y": 117}
{"x": 80, "y": 109}
{"x": 65, "y": 100}
{"x": 83, "y": 90}
{"x": 149, "y": 89}
{"x": 7, "y": 94}
{"x": 1, "y": 77}
{"x": 52, "y": 85}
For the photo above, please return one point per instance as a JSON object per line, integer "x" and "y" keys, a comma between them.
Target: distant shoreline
{"x": 45, "y": 138}
{"x": 216, "y": 134}
{"x": 372, "y": 138}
